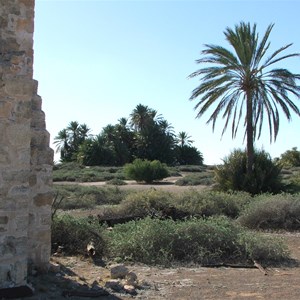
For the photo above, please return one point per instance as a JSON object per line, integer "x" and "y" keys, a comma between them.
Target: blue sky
{"x": 96, "y": 60}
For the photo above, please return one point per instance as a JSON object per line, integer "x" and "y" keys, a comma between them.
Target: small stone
{"x": 131, "y": 278}
{"x": 114, "y": 284}
{"x": 118, "y": 271}
{"x": 54, "y": 267}
{"x": 129, "y": 289}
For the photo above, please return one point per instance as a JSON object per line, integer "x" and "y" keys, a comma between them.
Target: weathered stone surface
{"x": 3, "y": 220}
{"x": 25, "y": 157}
{"x": 43, "y": 199}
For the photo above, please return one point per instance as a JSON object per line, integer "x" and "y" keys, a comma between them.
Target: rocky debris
{"x": 90, "y": 248}
{"x": 118, "y": 271}
{"x": 131, "y": 278}
{"x": 122, "y": 280}
{"x": 114, "y": 284}
{"x": 54, "y": 267}
{"x": 130, "y": 289}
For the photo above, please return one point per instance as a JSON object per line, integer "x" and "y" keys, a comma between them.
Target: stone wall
{"x": 25, "y": 156}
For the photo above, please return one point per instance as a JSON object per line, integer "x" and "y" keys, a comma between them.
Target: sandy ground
{"x": 78, "y": 273}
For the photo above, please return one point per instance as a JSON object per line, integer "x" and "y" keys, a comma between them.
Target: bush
{"x": 207, "y": 203}
{"x": 232, "y": 175}
{"x": 191, "y": 203}
{"x": 290, "y": 158}
{"x": 74, "y": 234}
{"x": 205, "y": 178}
{"x": 116, "y": 181}
{"x": 145, "y": 203}
{"x": 146, "y": 171}
{"x": 88, "y": 197}
{"x": 272, "y": 212}
{"x": 204, "y": 241}
{"x": 76, "y": 172}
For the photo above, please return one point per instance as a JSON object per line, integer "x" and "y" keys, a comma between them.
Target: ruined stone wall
{"x": 25, "y": 156}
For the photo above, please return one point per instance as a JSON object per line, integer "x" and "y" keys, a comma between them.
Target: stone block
{"x": 25, "y": 157}
{"x": 20, "y": 86}
{"x": 3, "y": 220}
{"x": 18, "y": 135}
{"x": 6, "y": 109}
{"x": 118, "y": 271}
{"x": 43, "y": 199}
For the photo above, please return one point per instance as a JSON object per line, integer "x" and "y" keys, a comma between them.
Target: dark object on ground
{"x": 173, "y": 213}
{"x": 16, "y": 292}
{"x": 170, "y": 212}
{"x": 111, "y": 221}
{"x": 90, "y": 294}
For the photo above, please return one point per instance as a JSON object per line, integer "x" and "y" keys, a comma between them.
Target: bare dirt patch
{"x": 77, "y": 273}
{"x": 168, "y": 184}
{"x": 81, "y": 273}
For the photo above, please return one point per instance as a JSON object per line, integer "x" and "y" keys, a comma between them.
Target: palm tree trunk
{"x": 249, "y": 130}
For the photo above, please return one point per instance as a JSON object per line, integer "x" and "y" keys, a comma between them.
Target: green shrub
{"x": 87, "y": 197}
{"x": 290, "y": 158}
{"x": 210, "y": 203}
{"x": 76, "y": 172}
{"x": 272, "y": 212}
{"x": 292, "y": 181}
{"x": 201, "y": 241}
{"x": 146, "y": 171}
{"x": 74, "y": 234}
{"x": 116, "y": 181}
{"x": 232, "y": 175}
{"x": 145, "y": 202}
{"x": 205, "y": 178}
{"x": 190, "y": 202}
{"x": 191, "y": 168}
{"x": 263, "y": 248}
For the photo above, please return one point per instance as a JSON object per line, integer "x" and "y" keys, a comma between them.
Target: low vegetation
{"x": 143, "y": 170}
{"x": 164, "y": 242}
{"x": 272, "y": 212}
{"x": 203, "y": 227}
{"x": 203, "y": 178}
{"x": 233, "y": 175}
{"x": 87, "y": 197}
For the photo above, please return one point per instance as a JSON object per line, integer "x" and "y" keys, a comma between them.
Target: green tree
{"x": 290, "y": 158}
{"x": 142, "y": 117}
{"x": 95, "y": 152}
{"x": 183, "y": 139}
{"x": 187, "y": 155}
{"x": 62, "y": 145}
{"x": 69, "y": 140}
{"x": 243, "y": 79}
{"x": 153, "y": 136}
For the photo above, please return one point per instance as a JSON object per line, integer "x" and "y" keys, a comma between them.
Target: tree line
{"x": 145, "y": 135}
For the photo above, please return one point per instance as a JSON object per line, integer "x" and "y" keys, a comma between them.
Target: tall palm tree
{"x": 142, "y": 117}
{"x": 62, "y": 144}
{"x": 243, "y": 78}
{"x": 184, "y": 139}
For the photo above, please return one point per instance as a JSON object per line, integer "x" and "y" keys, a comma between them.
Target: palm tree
{"x": 62, "y": 144}
{"x": 243, "y": 78}
{"x": 184, "y": 139}
{"x": 142, "y": 117}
